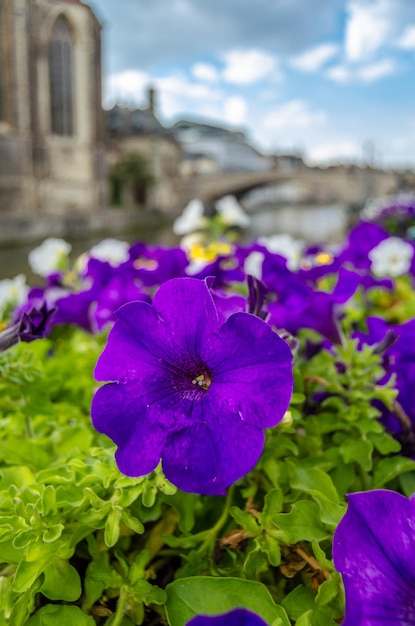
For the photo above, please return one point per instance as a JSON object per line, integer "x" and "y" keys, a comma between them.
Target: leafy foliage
{"x": 82, "y": 544}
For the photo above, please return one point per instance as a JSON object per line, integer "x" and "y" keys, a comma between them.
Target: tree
{"x": 133, "y": 170}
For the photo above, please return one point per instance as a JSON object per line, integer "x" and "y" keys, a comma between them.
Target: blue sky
{"x": 334, "y": 79}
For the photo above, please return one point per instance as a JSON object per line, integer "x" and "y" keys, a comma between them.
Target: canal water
{"x": 311, "y": 223}
{"x": 314, "y": 224}
{"x": 14, "y": 259}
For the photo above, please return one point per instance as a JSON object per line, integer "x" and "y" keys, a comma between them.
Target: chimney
{"x": 151, "y": 98}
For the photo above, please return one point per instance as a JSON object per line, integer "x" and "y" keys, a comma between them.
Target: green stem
{"x": 29, "y": 430}
{"x": 225, "y": 513}
{"x": 119, "y": 613}
{"x": 363, "y": 477}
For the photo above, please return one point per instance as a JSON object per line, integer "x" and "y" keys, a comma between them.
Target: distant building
{"x": 52, "y": 158}
{"x": 227, "y": 148}
{"x": 288, "y": 162}
{"x": 139, "y": 131}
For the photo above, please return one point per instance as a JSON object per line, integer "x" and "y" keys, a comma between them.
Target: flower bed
{"x": 213, "y": 434}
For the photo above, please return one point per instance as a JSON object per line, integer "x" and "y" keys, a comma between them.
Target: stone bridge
{"x": 347, "y": 185}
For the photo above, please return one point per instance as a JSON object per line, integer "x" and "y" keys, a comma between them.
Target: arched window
{"x": 61, "y": 78}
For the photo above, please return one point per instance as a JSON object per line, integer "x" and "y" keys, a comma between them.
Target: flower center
{"x": 203, "y": 381}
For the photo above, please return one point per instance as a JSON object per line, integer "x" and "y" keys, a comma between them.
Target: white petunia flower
{"x": 51, "y": 256}
{"x": 196, "y": 266}
{"x": 113, "y": 251}
{"x": 231, "y": 212}
{"x": 190, "y": 241}
{"x": 13, "y": 292}
{"x": 391, "y": 257}
{"x": 286, "y": 246}
{"x": 253, "y": 264}
{"x": 191, "y": 219}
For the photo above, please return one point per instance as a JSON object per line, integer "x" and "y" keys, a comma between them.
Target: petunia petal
{"x": 252, "y": 370}
{"x": 211, "y": 450}
{"x": 187, "y": 309}
{"x": 128, "y": 352}
{"x": 237, "y": 617}
{"x": 374, "y": 549}
{"x": 126, "y": 419}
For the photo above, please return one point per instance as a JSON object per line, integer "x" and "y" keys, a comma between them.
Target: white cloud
{"x": 234, "y": 110}
{"x": 335, "y": 151}
{"x": 294, "y": 114}
{"x": 314, "y": 59}
{"x": 176, "y": 95}
{"x": 367, "y": 73}
{"x": 205, "y": 72}
{"x": 374, "y": 71}
{"x": 407, "y": 39}
{"x": 369, "y": 26}
{"x": 244, "y": 67}
{"x": 126, "y": 87}
{"x": 339, "y": 73}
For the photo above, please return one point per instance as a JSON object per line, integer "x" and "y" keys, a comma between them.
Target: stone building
{"x": 138, "y": 131}
{"x": 52, "y": 156}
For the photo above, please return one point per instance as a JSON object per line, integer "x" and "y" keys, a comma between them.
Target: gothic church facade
{"x": 52, "y": 155}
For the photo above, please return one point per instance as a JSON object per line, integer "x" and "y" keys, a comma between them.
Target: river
{"x": 311, "y": 223}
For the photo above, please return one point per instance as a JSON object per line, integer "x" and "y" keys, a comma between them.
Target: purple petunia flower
{"x": 398, "y": 361}
{"x": 237, "y": 617}
{"x": 374, "y": 550}
{"x": 35, "y": 323}
{"x": 189, "y": 390}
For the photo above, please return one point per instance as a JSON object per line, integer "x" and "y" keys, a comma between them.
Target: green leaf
{"x": 357, "y": 450}
{"x": 149, "y": 494}
{"x": 203, "y": 595}
{"x": 318, "y": 617}
{"x": 321, "y": 557}
{"x": 146, "y": 593}
{"x": 76, "y": 437}
{"x": 343, "y": 476}
{"x": 272, "y": 504}
{"x": 61, "y": 581}
{"x": 407, "y": 482}
{"x": 246, "y": 521}
{"x": 272, "y": 549}
{"x": 112, "y": 526}
{"x": 132, "y": 522}
{"x": 18, "y": 475}
{"x": 256, "y": 561}
{"x": 138, "y": 568}
{"x": 328, "y": 590}
{"x": 53, "y": 533}
{"x": 389, "y": 468}
{"x": 23, "y": 539}
{"x": 26, "y": 574}
{"x": 22, "y": 607}
{"x": 302, "y": 523}
{"x": 185, "y": 506}
{"x": 53, "y": 614}
{"x": 315, "y": 482}
{"x": 298, "y": 398}
{"x": 28, "y": 452}
{"x": 49, "y": 500}
{"x": 99, "y": 577}
{"x": 385, "y": 443}
{"x": 300, "y": 600}
{"x": 305, "y": 619}
{"x": 321, "y": 488}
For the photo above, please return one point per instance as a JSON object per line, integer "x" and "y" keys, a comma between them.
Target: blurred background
{"x": 115, "y": 115}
